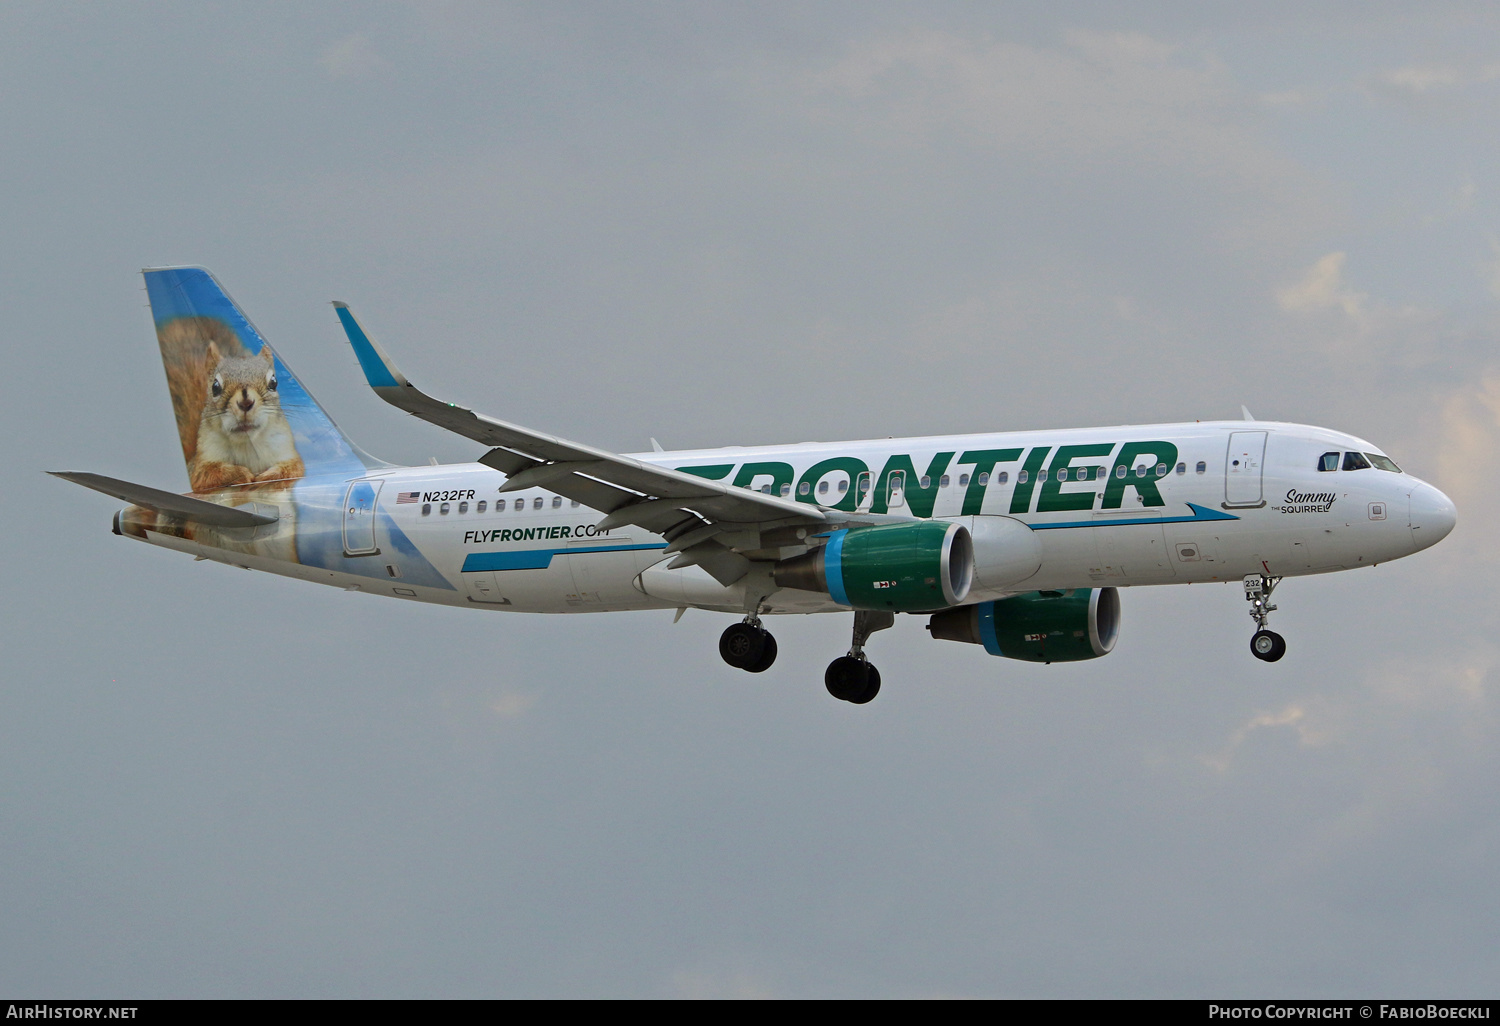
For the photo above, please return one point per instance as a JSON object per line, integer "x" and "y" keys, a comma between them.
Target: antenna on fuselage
{"x": 1246, "y": 411}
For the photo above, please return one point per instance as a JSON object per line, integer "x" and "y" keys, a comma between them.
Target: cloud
{"x": 1340, "y": 321}
{"x": 354, "y": 56}
{"x": 1097, "y": 92}
{"x": 512, "y": 704}
{"x": 1470, "y": 436}
{"x": 1423, "y": 79}
{"x": 1421, "y": 84}
{"x": 1322, "y": 288}
{"x": 1293, "y": 717}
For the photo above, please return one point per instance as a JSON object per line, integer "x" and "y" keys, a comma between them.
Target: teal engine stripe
{"x": 536, "y": 559}
{"x": 833, "y": 573}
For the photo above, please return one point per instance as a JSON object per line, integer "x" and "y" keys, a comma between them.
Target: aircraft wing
{"x": 201, "y": 510}
{"x": 708, "y": 522}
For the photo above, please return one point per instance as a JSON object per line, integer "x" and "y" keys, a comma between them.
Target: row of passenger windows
{"x": 1357, "y": 461}
{"x": 445, "y": 508}
{"x": 898, "y": 478}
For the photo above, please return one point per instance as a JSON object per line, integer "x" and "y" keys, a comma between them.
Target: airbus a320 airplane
{"x": 1015, "y": 542}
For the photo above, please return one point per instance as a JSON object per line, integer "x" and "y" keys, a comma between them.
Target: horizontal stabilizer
{"x": 201, "y": 510}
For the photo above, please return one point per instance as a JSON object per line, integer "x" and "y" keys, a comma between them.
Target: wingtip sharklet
{"x": 379, "y": 371}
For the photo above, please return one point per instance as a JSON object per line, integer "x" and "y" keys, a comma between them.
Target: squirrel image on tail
{"x": 243, "y": 437}
{"x": 229, "y": 417}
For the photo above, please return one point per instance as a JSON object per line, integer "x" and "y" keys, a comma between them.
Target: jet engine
{"x": 902, "y": 567}
{"x": 1039, "y": 627}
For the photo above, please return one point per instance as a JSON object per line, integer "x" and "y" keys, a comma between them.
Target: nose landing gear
{"x": 748, "y": 646}
{"x": 1265, "y": 644}
{"x": 853, "y": 678}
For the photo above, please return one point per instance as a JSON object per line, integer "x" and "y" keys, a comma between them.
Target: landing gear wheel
{"x": 767, "y": 654}
{"x": 1267, "y": 645}
{"x": 744, "y": 645}
{"x": 872, "y": 686}
{"x": 852, "y": 680}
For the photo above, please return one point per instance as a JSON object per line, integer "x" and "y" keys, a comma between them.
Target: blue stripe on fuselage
{"x": 536, "y": 559}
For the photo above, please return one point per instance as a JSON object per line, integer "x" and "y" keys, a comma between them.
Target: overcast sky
{"x": 728, "y": 224}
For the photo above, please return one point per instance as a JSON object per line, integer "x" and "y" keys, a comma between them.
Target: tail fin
{"x": 242, "y": 415}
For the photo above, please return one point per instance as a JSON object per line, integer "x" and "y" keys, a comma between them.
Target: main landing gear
{"x": 748, "y": 646}
{"x": 1265, "y": 644}
{"x": 853, "y": 678}
{"x": 850, "y": 678}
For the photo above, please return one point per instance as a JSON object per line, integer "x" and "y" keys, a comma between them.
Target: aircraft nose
{"x": 1432, "y": 516}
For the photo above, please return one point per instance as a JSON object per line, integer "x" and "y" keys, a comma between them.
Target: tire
{"x": 767, "y": 654}
{"x": 742, "y": 646}
{"x": 1267, "y": 646}
{"x": 872, "y": 686}
{"x": 847, "y": 678}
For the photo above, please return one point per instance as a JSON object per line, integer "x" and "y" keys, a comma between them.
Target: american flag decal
{"x": 407, "y": 497}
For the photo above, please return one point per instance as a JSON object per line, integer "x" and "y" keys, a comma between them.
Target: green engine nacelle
{"x": 1040, "y": 627}
{"x": 901, "y": 567}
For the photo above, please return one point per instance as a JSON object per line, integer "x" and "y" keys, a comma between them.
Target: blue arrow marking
{"x": 1201, "y": 514}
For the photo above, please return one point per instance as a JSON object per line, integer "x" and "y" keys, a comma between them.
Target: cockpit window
{"x": 1355, "y": 461}
{"x": 1328, "y": 461}
{"x": 1383, "y": 462}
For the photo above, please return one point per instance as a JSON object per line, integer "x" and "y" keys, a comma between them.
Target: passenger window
{"x": 573, "y": 503}
{"x": 481, "y": 507}
{"x": 1161, "y": 470}
{"x": 1328, "y": 461}
{"x": 426, "y": 508}
{"x": 557, "y": 502}
{"x": 1022, "y": 477}
{"x": 536, "y": 503}
{"x": 1182, "y": 468}
{"x": 823, "y": 487}
{"x": 1383, "y": 462}
{"x": 786, "y": 490}
{"x": 984, "y": 479}
{"x": 463, "y": 507}
{"x": 520, "y": 505}
{"x": 924, "y": 482}
{"x": 804, "y": 488}
{"x": 499, "y": 505}
{"x": 1002, "y": 477}
{"x": 1355, "y": 461}
{"x": 443, "y": 509}
{"x": 1119, "y": 472}
{"x": 963, "y": 479}
{"x": 1201, "y": 468}
{"x": 943, "y": 481}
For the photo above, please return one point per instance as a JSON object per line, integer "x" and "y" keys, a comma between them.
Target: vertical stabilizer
{"x": 242, "y": 415}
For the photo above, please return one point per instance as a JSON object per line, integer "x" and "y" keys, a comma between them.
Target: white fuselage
{"x": 1121, "y": 506}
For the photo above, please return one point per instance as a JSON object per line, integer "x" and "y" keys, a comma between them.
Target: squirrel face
{"x": 242, "y": 391}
